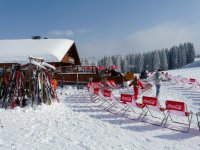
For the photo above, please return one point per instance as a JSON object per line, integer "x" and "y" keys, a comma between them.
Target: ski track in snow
{"x": 77, "y": 123}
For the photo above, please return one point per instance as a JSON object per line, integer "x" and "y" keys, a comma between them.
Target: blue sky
{"x": 104, "y": 27}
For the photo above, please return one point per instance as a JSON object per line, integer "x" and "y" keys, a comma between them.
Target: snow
{"x": 51, "y": 50}
{"x": 196, "y": 63}
{"x": 77, "y": 123}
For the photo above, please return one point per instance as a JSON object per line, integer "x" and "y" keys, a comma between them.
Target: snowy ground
{"x": 77, "y": 123}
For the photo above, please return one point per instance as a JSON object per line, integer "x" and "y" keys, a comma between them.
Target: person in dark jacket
{"x": 157, "y": 78}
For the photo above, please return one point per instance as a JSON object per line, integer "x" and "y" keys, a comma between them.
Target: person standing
{"x": 55, "y": 84}
{"x": 136, "y": 84}
{"x": 157, "y": 79}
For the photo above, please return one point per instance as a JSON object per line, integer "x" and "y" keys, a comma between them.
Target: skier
{"x": 157, "y": 79}
{"x": 136, "y": 84}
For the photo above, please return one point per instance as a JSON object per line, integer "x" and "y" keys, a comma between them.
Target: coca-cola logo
{"x": 126, "y": 98}
{"x": 174, "y": 107}
{"x": 150, "y": 102}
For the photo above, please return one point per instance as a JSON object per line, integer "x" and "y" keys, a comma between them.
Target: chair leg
{"x": 190, "y": 119}
{"x": 162, "y": 120}
{"x": 198, "y": 123}
{"x": 189, "y": 123}
{"x": 145, "y": 114}
{"x": 166, "y": 120}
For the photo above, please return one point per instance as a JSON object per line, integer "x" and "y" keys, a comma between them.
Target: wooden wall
{"x": 84, "y": 78}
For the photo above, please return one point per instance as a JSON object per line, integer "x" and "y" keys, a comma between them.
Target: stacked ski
{"x": 28, "y": 82}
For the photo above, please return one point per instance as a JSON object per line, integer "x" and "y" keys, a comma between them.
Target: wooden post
{"x": 42, "y": 93}
{"x": 61, "y": 76}
{"x": 30, "y": 80}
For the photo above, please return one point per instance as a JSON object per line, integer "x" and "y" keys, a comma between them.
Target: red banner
{"x": 173, "y": 105}
{"x": 126, "y": 98}
{"x": 107, "y": 93}
{"x": 152, "y": 101}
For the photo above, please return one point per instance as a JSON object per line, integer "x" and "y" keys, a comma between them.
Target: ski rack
{"x": 35, "y": 85}
{"x": 48, "y": 65}
{"x": 41, "y": 80}
{"x": 37, "y": 64}
{"x": 37, "y": 60}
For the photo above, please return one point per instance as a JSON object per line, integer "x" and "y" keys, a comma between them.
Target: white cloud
{"x": 67, "y": 33}
{"x": 83, "y": 31}
{"x": 157, "y": 37}
{"x": 61, "y": 33}
{"x": 163, "y": 36}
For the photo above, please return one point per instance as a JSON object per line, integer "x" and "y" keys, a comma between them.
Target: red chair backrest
{"x": 175, "y": 106}
{"x": 96, "y": 91}
{"x": 191, "y": 80}
{"x": 150, "y": 101}
{"x": 88, "y": 86}
{"x": 107, "y": 93}
{"x": 112, "y": 82}
{"x": 107, "y": 81}
{"x": 126, "y": 98}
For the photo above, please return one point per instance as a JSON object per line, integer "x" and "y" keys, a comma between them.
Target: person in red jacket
{"x": 136, "y": 84}
{"x": 54, "y": 83}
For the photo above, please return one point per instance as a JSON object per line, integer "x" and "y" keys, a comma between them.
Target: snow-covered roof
{"x": 51, "y": 50}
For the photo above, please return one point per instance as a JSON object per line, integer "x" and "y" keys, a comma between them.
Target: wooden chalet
{"x": 59, "y": 52}
{"x": 62, "y": 53}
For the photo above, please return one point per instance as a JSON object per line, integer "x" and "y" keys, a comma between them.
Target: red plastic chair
{"x": 110, "y": 85}
{"x": 154, "y": 110}
{"x": 135, "y": 107}
{"x": 193, "y": 83}
{"x": 95, "y": 94}
{"x": 114, "y": 84}
{"x": 105, "y": 95}
{"x": 178, "y": 110}
{"x": 114, "y": 102}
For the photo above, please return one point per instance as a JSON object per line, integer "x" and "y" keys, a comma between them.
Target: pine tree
{"x": 84, "y": 61}
{"x": 156, "y": 60}
{"x": 163, "y": 60}
{"x": 139, "y": 63}
{"x": 190, "y": 52}
{"x": 173, "y": 61}
{"x": 149, "y": 60}
{"x": 183, "y": 55}
{"x": 118, "y": 62}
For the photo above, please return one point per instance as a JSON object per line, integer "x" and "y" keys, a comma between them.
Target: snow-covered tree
{"x": 139, "y": 63}
{"x": 183, "y": 55}
{"x": 156, "y": 60}
{"x": 148, "y": 61}
{"x": 118, "y": 62}
{"x": 124, "y": 66}
{"x": 84, "y": 61}
{"x": 173, "y": 61}
{"x": 190, "y": 52}
{"x": 163, "y": 60}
